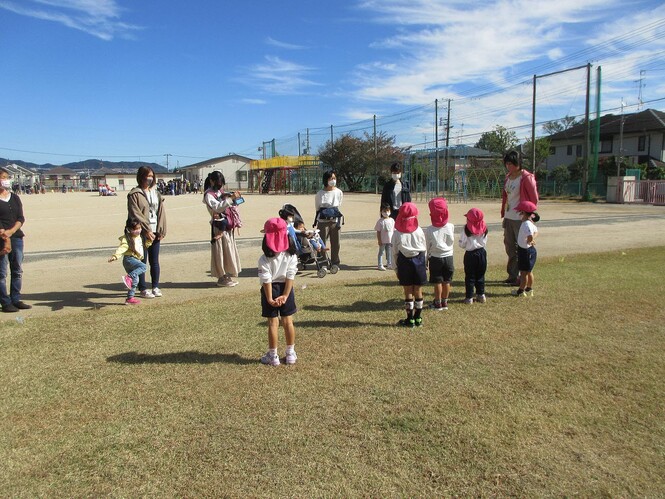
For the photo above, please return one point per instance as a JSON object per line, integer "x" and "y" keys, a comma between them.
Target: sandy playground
{"x": 69, "y": 238}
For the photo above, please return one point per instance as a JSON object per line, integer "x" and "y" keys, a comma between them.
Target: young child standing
{"x": 440, "y": 238}
{"x": 474, "y": 240}
{"x": 526, "y": 246}
{"x": 131, "y": 250}
{"x": 384, "y": 227}
{"x": 409, "y": 249}
{"x": 277, "y": 269}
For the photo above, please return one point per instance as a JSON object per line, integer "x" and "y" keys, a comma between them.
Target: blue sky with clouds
{"x": 135, "y": 80}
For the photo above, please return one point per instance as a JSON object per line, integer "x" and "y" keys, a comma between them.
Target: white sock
{"x": 272, "y": 351}
{"x": 290, "y": 348}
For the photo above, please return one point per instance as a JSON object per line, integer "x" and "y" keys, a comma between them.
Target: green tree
{"x": 499, "y": 141}
{"x": 555, "y": 126}
{"x": 560, "y": 175}
{"x": 542, "y": 152}
{"x": 354, "y": 158}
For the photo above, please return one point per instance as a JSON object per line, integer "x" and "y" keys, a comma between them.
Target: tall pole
{"x": 447, "y": 141}
{"x": 331, "y": 135}
{"x": 299, "y": 144}
{"x": 167, "y": 161}
{"x": 596, "y": 131}
{"x": 587, "y": 134}
{"x": 436, "y": 144}
{"x": 376, "y": 161}
{"x": 533, "y": 127}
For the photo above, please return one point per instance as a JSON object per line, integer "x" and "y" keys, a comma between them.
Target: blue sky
{"x": 136, "y": 80}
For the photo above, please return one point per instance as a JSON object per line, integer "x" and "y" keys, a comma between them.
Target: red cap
{"x": 407, "y": 218}
{"x": 475, "y": 221}
{"x": 438, "y": 211}
{"x": 276, "y": 236}
{"x": 526, "y": 207}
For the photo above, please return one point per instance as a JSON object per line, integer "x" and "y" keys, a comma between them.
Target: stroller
{"x": 307, "y": 254}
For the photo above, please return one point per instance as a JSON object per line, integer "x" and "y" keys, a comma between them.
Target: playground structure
{"x": 285, "y": 174}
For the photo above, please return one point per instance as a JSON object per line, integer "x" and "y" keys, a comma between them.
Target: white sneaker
{"x": 146, "y": 293}
{"x": 381, "y": 267}
{"x": 481, "y": 298}
{"x": 291, "y": 357}
{"x": 270, "y": 359}
{"x": 156, "y": 292}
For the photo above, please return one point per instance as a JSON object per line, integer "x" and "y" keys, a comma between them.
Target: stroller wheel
{"x": 301, "y": 266}
{"x": 322, "y": 272}
{"x": 334, "y": 269}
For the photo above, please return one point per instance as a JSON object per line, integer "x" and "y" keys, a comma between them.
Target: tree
{"x": 555, "y": 126}
{"x": 542, "y": 152}
{"x": 354, "y": 158}
{"x": 499, "y": 141}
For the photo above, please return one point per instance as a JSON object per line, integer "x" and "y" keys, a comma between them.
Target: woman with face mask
{"x": 11, "y": 241}
{"x": 395, "y": 192}
{"x": 328, "y": 217}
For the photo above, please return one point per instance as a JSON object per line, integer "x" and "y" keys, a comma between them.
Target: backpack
{"x": 233, "y": 220}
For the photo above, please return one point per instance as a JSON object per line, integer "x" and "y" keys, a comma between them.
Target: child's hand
{"x": 112, "y": 259}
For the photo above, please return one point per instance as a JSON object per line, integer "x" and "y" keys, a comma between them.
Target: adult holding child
{"x": 519, "y": 186}
{"x": 145, "y": 204}
{"x": 328, "y": 217}
{"x": 224, "y": 256}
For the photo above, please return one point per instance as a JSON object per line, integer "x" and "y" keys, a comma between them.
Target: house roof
{"x": 217, "y": 160}
{"x": 15, "y": 169}
{"x": 610, "y": 124}
{"x": 60, "y": 170}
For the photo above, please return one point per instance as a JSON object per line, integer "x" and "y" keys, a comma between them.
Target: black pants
{"x": 475, "y": 266}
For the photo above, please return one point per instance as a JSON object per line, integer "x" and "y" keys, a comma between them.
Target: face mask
{"x": 385, "y": 214}
{"x": 396, "y": 176}
{"x": 332, "y": 183}
{"x": 7, "y": 184}
{"x": 136, "y": 232}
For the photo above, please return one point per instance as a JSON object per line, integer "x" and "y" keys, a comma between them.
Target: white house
{"x": 234, "y": 167}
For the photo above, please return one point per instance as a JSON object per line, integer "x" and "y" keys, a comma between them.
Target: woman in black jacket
{"x": 395, "y": 192}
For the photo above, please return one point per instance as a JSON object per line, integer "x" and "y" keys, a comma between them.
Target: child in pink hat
{"x": 526, "y": 247}
{"x": 277, "y": 269}
{"x": 440, "y": 237}
{"x": 474, "y": 240}
{"x": 409, "y": 249}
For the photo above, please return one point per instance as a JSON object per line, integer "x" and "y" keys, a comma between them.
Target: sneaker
{"x": 518, "y": 292}
{"x": 291, "y": 357}
{"x": 381, "y": 267}
{"x": 127, "y": 281}
{"x": 9, "y": 308}
{"x": 270, "y": 359}
{"x": 22, "y": 306}
{"x": 146, "y": 293}
{"x": 406, "y": 323}
{"x": 444, "y": 305}
{"x": 132, "y": 301}
{"x": 418, "y": 321}
{"x": 527, "y": 291}
{"x": 481, "y": 298}
{"x": 226, "y": 283}
{"x": 156, "y": 292}
{"x": 468, "y": 301}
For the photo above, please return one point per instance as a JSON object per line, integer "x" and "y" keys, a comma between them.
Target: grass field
{"x": 561, "y": 394}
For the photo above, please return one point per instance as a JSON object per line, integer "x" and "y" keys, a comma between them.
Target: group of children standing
{"x": 412, "y": 251}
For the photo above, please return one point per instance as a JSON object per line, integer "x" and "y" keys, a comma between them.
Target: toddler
{"x": 131, "y": 250}
{"x": 526, "y": 246}
{"x": 384, "y": 227}
{"x": 474, "y": 240}
{"x": 440, "y": 238}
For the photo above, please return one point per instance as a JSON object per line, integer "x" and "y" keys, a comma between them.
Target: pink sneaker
{"x": 132, "y": 301}
{"x": 127, "y": 281}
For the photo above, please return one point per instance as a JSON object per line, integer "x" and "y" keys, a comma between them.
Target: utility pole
{"x": 436, "y": 144}
{"x": 376, "y": 161}
{"x": 167, "y": 161}
{"x": 448, "y": 127}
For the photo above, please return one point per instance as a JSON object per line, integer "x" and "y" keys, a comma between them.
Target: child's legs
{"x": 134, "y": 268}
{"x": 481, "y": 269}
{"x": 445, "y": 290}
{"x": 289, "y": 330}
{"x": 438, "y": 291}
{"x": 379, "y": 256}
{"x": 408, "y": 292}
{"x": 469, "y": 274}
{"x": 389, "y": 254}
{"x": 529, "y": 279}
{"x": 273, "y": 329}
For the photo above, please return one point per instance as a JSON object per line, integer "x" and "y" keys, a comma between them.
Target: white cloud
{"x": 254, "y": 101}
{"x": 278, "y": 76}
{"x": 99, "y": 18}
{"x": 284, "y": 45}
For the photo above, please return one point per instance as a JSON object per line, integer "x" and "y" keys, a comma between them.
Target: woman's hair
{"x": 214, "y": 179}
{"x": 130, "y": 225}
{"x": 2, "y": 170}
{"x": 512, "y": 157}
{"x": 270, "y": 253}
{"x": 395, "y": 167}
{"x": 142, "y": 174}
{"x": 327, "y": 175}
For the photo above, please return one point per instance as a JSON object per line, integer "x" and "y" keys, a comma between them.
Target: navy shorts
{"x": 441, "y": 269}
{"x": 411, "y": 271}
{"x": 526, "y": 258}
{"x": 289, "y": 307}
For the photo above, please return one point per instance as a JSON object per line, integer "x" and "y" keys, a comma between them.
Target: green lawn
{"x": 560, "y": 394}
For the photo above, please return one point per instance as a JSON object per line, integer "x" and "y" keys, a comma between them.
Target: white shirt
{"x": 472, "y": 242}
{"x": 513, "y": 191}
{"x": 386, "y": 226}
{"x": 279, "y": 268}
{"x": 153, "y": 204}
{"x": 440, "y": 240}
{"x": 397, "y": 190}
{"x": 528, "y": 228}
{"x": 328, "y": 199}
{"x": 409, "y": 244}
{"x": 214, "y": 203}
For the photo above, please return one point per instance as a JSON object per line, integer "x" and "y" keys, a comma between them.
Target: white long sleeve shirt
{"x": 278, "y": 268}
{"x": 472, "y": 242}
{"x": 328, "y": 199}
{"x": 409, "y": 244}
{"x": 440, "y": 240}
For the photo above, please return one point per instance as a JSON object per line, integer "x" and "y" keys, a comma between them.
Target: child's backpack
{"x": 233, "y": 220}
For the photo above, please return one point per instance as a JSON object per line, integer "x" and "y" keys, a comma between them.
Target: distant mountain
{"x": 88, "y": 165}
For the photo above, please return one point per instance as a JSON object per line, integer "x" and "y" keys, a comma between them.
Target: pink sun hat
{"x": 276, "y": 236}
{"x": 438, "y": 211}
{"x": 407, "y": 218}
{"x": 475, "y": 221}
{"x": 526, "y": 207}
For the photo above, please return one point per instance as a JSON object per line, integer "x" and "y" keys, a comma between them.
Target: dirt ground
{"x": 69, "y": 238}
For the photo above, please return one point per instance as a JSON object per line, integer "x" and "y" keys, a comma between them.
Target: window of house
{"x": 569, "y": 150}
{"x": 552, "y": 150}
{"x": 642, "y": 143}
{"x": 578, "y": 150}
{"x": 241, "y": 175}
{"x": 605, "y": 145}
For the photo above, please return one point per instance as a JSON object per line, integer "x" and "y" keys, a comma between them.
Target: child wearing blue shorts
{"x": 526, "y": 246}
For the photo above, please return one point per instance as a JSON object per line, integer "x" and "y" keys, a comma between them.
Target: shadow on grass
{"x": 190, "y": 357}
{"x": 59, "y": 300}
{"x": 358, "y": 306}
{"x": 326, "y": 324}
